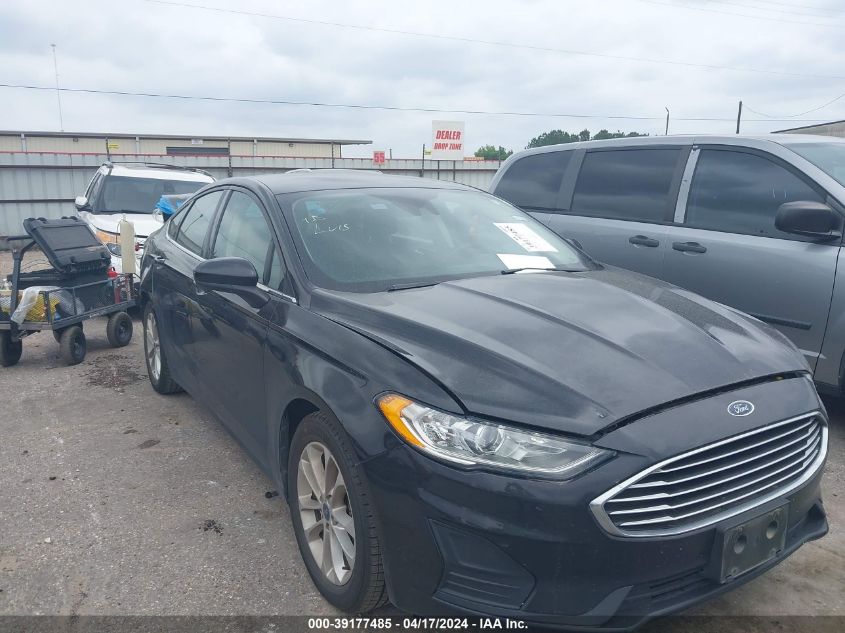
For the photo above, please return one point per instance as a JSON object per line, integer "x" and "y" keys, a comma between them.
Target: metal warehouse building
{"x": 170, "y": 145}
{"x": 834, "y": 128}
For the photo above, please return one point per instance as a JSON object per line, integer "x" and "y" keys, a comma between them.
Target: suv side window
{"x": 244, "y": 232}
{"x": 629, "y": 184}
{"x": 738, "y": 192}
{"x": 533, "y": 182}
{"x": 196, "y": 220}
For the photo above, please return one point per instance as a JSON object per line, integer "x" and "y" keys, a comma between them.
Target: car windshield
{"x": 369, "y": 240}
{"x": 829, "y": 157}
{"x": 139, "y": 195}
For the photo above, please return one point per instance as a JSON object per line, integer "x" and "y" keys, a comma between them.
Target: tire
{"x": 119, "y": 329}
{"x": 359, "y": 586}
{"x": 72, "y": 345}
{"x": 10, "y": 351}
{"x": 57, "y": 334}
{"x": 158, "y": 370}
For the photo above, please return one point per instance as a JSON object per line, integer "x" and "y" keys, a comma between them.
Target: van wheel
{"x": 157, "y": 368}
{"x": 333, "y": 518}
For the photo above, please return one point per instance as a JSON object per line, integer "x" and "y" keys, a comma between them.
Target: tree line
{"x": 552, "y": 137}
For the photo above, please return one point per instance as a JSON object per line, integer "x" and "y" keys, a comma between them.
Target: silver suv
{"x": 751, "y": 222}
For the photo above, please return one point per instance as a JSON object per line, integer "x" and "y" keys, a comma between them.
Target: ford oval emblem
{"x": 740, "y": 408}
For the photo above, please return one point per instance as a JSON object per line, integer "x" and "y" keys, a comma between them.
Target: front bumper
{"x": 474, "y": 542}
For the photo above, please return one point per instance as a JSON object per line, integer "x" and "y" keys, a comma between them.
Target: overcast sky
{"x": 144, "y": 46}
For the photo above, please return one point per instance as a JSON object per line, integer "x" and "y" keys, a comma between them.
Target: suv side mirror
{"x": 231, "y": 274}
{"x": 82, "y": 204}
{"x": 810, "y": 219}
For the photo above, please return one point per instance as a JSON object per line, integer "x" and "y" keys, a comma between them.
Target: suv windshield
{"x": 829, "y": 157}
{"x": 369, "y": 240}
{"x": 138, "y": 195}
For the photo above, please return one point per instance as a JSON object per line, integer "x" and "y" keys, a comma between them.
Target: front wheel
{"x": 119, "y": 329}
{"x": 333, "y": 517}
{"x": 157, "y": 368}
{"x": 72, "y": 345}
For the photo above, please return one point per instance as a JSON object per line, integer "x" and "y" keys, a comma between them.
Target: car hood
{"x": 144, "y": 223}
{"x": 567, "y": 352}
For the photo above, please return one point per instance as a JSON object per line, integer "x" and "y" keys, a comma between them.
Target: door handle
{"x": 157, "y": 258}
{"x": 643, "y": 240}
{"x": 689, "y": 247}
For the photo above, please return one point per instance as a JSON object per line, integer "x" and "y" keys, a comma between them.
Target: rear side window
{"x": 244, "y": 232}
{"x": 533, "y": 182}
{"x": 633, "y": 184}
{"x": 738, "y": 192}
{"x": 196, "y": 220}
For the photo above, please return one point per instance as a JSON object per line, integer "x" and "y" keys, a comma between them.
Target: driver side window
{"x": 244, "y": 232}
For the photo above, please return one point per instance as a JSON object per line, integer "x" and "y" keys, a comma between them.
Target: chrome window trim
{"x": 277, "y": 293}
{"x": 686, "y": 183}
{"x": 597, "y": 504}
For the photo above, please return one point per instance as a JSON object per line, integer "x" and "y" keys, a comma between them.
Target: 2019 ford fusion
{"x": 468, "y": 414}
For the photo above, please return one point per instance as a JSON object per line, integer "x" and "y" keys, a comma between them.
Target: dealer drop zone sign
{"x": 447, "y": 140}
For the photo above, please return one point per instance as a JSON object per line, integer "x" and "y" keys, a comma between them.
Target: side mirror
{"x": 230, "y": 274}
{"x": 810, "y": 219}
{"x": 81, "y": 203}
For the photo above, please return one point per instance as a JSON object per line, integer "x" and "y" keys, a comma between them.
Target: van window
{"x": 196, "y": 221}
{"x": 631, "y": 184}
{"x": 533, "y": 182}
{"x": 737, "y": 192}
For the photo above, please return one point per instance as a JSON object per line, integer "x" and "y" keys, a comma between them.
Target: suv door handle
{"x": 689, "y": 247}
{"x": 643, "y": 240}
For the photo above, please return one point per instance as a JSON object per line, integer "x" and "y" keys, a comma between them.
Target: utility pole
{"x": 58, "y": 92}
{"x": 667, "y": 120}
{"x": 738, "y": 117}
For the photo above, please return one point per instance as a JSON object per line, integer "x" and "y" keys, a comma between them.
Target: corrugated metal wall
{"x": 44, "y": 185}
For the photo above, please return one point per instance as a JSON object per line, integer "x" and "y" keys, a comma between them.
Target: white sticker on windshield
{"x": 525, "y": 236}
{"x": 524, "y": 261}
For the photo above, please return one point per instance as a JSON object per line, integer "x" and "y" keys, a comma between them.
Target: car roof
{"x": 686, "y": 139}
{"x": 298, "y": 181}
{"x": 141, "y": 170}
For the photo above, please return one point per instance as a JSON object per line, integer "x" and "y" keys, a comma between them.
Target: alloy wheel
{"x": 153, "y": 346}
{"x": 326, "y": 513}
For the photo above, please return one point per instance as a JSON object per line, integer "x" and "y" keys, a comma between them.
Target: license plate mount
{"x": 744, "y": 546}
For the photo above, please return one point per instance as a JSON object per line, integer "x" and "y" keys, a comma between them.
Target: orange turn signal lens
{"x": 391, "y": 407}
{"x": 105, "y": 237}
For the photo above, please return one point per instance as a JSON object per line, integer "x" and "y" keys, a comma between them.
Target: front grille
{"x": 716, "y": 481}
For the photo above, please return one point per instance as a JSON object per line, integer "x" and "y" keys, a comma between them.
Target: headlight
{"x": 476, "y": 443}
{"x": 114, "y": 249}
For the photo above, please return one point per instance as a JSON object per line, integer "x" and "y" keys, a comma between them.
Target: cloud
{"x": 137, "y": 45}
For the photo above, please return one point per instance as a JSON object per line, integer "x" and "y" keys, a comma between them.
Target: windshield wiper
{"x": 511, "y": 271}
{"x": 411, "y": 285}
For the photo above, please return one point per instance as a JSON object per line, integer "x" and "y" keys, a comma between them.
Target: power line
{"x": 499, "y": 43}
{"x": 814, "y": 7}
{"x": 359, "y": 106}
{"x": 772, "y": 10}
{"x": 791, "y": 117}
{"x": 740, "y": 15}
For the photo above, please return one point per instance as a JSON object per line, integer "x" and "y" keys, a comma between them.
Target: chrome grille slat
{"x": 790, "y": 466}
{"x": 716, "y": 481}
{"x": 700, "y": 462}
{"x": 807, "y": 443}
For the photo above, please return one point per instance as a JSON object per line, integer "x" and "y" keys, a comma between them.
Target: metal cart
{"x": 62, "y": 308}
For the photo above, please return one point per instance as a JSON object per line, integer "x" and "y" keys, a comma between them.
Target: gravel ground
{"x": 117, "y": 501}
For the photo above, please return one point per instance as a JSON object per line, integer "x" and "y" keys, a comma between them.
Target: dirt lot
{"x": 114, "y": 500}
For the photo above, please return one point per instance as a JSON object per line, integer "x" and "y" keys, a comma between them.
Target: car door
{"x": 620, "y": 203}
{"x": 728, "y": 249}
{"x": 230, "y": 339}
{"x": 533, "y": 182}
{"x": 174, "y": 291}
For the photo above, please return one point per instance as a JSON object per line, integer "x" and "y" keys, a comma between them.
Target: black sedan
{"x": 469, "y": 415}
